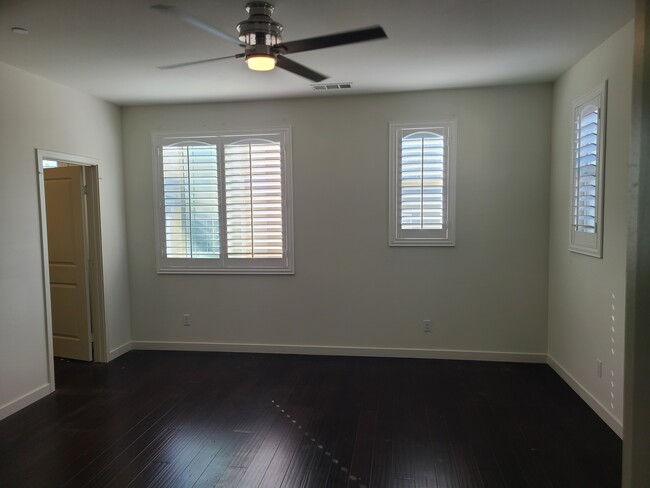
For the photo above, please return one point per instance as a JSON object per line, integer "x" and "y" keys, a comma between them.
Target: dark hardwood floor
{"x": 171, "y": 419}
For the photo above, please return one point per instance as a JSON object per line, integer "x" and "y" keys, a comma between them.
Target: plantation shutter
{"x": 254, "y": 200}
{"x": 585, "y": 171}
{"x": 422, "y": 181}
{"x": 224, "y": 202}
{"x": 190, "y": 200}
{"x": 589, "y": 114}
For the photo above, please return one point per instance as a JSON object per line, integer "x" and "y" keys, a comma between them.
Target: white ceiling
{"x": 111, "y": 48}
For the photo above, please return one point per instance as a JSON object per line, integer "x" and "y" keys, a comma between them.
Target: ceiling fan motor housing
{"x": 259, "y": 32}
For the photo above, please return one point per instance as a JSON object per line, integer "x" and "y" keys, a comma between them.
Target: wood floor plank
{"x": 231, "y": 477}
{"x": 265, "y": 452}
{"x": 188, "y": 464}
{"x": 177, "y": 419}
{"x": 328, "y": 439}
{"x": 362, "y": 453}
{"x": 131, "y": 464}
{"x": 298, "y": 469}
{"x": 219, "y": 462}
{"x": 442, "y": 455}
{"x": 256, "y": 431}
{"x": 381, "y": 473}
{"x": 287, "y": 449}
{"x": 148, "y": 475}
{"x": 113, "y": 460}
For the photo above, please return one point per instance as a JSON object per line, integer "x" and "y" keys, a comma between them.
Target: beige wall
{"x": 351, "y": 291}
{"x": 586, "y": 292}
{"x": 36, "y": 113}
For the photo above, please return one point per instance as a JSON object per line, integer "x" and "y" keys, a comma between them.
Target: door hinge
{"x": 92, "y": 339}
{"x": 84, "y": 189}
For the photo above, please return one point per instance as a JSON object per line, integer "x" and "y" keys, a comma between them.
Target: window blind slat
{"x": 422, "y": 181}
{"x": 190, "y": 200}
{"x": 253, "y": 186}
{"x": 585, "y": 171}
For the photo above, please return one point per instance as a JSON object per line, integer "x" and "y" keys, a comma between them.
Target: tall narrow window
{"x": 587, "y": 173}
{"x": 422, "y": 175}
{"x": 224, "y": 203}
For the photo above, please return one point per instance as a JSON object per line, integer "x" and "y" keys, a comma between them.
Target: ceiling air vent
{"x": 332, "y": 86}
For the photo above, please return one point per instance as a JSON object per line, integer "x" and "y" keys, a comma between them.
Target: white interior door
{"x": 67, "y": 253}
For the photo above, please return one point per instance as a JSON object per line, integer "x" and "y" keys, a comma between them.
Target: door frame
{"x": 95, "y": 270}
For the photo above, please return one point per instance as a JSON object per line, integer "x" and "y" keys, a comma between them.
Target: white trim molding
{"x": 519, "y": 357}
{"x": 119, "y": 350}
{"x": 601, "y": 410}
{"x": 23, "y": 401}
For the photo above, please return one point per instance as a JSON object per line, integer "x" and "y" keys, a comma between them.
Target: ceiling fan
{"x": 261, "y": 38}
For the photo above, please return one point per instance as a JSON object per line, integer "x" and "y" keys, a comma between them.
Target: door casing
{"x": 96, "y": 276}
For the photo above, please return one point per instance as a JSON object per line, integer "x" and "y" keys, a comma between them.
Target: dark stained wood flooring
{"x": 178, "y": 419}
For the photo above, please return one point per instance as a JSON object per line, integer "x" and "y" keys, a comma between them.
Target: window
{"x": 422, "y": 178}
{"x": 587, "y": 173}
{"x": 48, "y": 163}
{"x": 224, "y": 202}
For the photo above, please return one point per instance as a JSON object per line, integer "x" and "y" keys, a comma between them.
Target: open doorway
{"x": 72, "y": 263}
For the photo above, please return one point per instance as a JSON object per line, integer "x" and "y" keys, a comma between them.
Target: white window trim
{"x": 590, "y": 244}
{"x": 221, "y": 265}
{"x": 398, "y": 237}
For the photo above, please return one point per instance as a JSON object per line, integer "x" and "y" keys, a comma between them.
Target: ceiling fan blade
{"x": 349, "y": 37}
{"x": 299, "y": 69}
{"x": 181, "y": 14}
{"x": 192, "y": 63}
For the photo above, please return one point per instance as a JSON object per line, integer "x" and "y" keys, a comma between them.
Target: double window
{"x": 224, "y": 202}
{"x": 422, "y": 179}
{"x": 586, "y": 234}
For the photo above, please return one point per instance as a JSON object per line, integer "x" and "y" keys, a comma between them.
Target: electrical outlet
{"x": 599, "y": 368}
{"x": 427, "y": 325}
{"x": 186, "y": 319}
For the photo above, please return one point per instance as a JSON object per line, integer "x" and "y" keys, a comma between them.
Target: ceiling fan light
{"x": 260, "y": 62}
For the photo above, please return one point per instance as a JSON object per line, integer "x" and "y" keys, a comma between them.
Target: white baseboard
{"x": 600, "y": 409}
{"x": 25, "y": 400}
{"x": 520, "y": 357}
{"x": 118, "y": 351}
